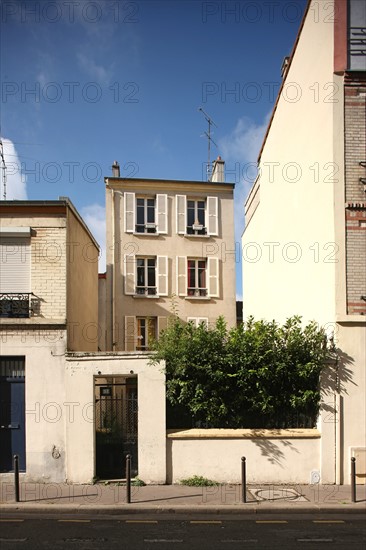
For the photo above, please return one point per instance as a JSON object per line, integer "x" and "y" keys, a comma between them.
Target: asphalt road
{"x": 135, "y": 533}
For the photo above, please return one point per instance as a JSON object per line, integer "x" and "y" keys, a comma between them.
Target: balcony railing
{"x": 196, "y": 291}
{"x": 15, "y": 305}
{"x": 146, "y": 290}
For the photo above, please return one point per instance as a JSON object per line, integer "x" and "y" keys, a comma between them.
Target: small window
{"x": 197, "y": 321}
{"x": 145, "y": 215}
{"x": 196, "y": 278}
{"x": 146, "y": 332}
{"x": 146, "y": 276}
{"x": 196, "y": 217}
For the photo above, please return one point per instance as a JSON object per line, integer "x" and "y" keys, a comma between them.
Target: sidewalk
{"x": 111, "y": 499}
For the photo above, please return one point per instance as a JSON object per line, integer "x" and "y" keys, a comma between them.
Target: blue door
{"x": 12, "y": 412}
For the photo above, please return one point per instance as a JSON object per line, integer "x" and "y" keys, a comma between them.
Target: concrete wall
{"x": 80, "y": 431}
{"x": 283, "y": 456}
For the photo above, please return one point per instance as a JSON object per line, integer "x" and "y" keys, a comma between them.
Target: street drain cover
{"x": 277, "y": 493}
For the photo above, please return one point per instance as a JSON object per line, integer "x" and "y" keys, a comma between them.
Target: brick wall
{"x": 355, "y": 213}
{"x": 48, "y": 273}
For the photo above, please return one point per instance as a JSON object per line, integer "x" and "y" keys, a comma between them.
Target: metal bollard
{"x": 353, "y": 479}
{"x": 243, "y": 480}
{"x": 16, "y": 478}
{"x": 128, "y": 478}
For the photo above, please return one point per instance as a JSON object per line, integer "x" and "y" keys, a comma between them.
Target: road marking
{"x": 140, "y": 521}
{"x": 208, "y": 521}
{"x": 13, "y": 540}
{"x": 12, "y": 520}
{"x": 314, "y": 540}
{"x": 271, "y": 521}
{"x": 328, "y": 521}
{"x": 163, "y": 540}
{"x": 74, "y": 520}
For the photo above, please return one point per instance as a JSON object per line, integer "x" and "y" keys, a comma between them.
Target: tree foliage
{"x": 259, "y": 374}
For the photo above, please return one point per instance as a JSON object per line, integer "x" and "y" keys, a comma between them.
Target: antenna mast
{"x": 3, "y": 165}
{"x": 210, "y": 123}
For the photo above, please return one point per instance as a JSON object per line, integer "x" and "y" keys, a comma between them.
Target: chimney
{"x": 115, "y": 170}
{"x": 218, "y": 170}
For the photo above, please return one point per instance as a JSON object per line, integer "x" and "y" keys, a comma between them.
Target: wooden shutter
{"x": 212, "y": 216}
{"x": 213, "y": 277}
{"x": 129, "y": 212}
{"x": 15, "y": 265}
{"x": 181, "y": 214}
{"x": 130, "y": 333}
{"x": 129, "y": 271}
{"x": 161, "y": 213}
{"x": 181, "y": 275}
{"x": 162, "y": 275}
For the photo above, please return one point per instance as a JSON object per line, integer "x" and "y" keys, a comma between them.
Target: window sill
{"x": 136, "y": 234}
{"x": 144, "y": 296}
{"x": 188, "y": 236}
{"x": 197, "y": 298}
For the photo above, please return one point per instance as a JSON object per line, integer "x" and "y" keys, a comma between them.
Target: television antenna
{"x": 3, "y": 166}
{"x": 210, "y": 123}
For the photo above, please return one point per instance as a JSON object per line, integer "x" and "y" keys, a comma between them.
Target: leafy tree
{"x": 259, "y": 374}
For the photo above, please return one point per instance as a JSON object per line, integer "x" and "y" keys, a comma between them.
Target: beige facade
{"x": 170, "y": 248}
{"x": 304, "y": 242}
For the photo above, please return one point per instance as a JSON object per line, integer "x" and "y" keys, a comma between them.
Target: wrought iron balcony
{"x": 191, "y": 291}
{"x": 15, "y": 305}
{"x": 146, "y": 290}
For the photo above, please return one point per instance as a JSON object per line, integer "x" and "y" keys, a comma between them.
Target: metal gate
{"x": 116, "y": 426}
{"x": 12, "y": 412}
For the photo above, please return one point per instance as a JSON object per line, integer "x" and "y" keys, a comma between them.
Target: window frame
{"x": 146, "y": 268}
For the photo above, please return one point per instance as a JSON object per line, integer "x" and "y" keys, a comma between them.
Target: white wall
{"x": 80, "y": 431}
{"x": 287, "y": 456}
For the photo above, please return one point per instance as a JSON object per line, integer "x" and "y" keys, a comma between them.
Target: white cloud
{"x": 95, "y": 71}
{"x": 15, "y": 181}
{"x": 94, "y": 217}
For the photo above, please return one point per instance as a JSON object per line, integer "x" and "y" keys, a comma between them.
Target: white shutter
{"x": 129, "y": 212}
{"x": 213, "y": 277}
{"x": 129, "y": 271}
{"x": 161, "y": 213}
{"x": 162, "y": 275}
{"x": 181, "y": 275}
{"x": 162, "y": 324}
{"x": 212, "y": 216}
{"x": 130, "y": 333}
{"x": 181, "y": 214}
{"x": 15, "y": 265}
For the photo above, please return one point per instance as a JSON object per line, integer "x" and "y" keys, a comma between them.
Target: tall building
{"x": 304, "y": 245}
{"x": 170, "y": 248}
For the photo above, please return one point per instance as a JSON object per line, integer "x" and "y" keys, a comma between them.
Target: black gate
{"x": 116, "y": 426}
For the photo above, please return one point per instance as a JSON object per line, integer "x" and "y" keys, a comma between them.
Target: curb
{"x": 126, "y": 509}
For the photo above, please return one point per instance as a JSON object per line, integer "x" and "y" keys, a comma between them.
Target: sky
{"x": 87, "y": 82}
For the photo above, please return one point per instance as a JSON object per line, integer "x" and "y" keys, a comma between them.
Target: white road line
{"x": 11, "y": 520}
{"x": 163, "y": 540}
{"x": 314, "y": 540}
{"x": 13, "y": 540}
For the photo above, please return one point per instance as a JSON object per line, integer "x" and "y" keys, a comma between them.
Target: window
{"x": 146, "y": 276}
{"x": 196, "y": 321}
{"x": 196, "y": 276}
{"x": 196, "y": 216}
{"x": 146, "y": 332}
{"x": 15, "y": 271}
{"x": 145, "y": 215}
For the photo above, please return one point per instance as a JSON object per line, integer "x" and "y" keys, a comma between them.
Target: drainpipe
{"x": 338, "y": 427}
{"x": 113, "y": 277}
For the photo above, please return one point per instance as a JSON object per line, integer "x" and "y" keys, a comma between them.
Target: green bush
{"x": 198, "y": 481}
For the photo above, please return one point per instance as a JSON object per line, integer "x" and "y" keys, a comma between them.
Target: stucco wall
{"x": 285, "y": 456}
{"x": 80, "y": 432}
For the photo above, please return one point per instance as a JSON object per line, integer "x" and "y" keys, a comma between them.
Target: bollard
{"x": 243, "y": 480}
{"x": 353, "y": 479}
{"x": 16, "y": 478}
{"x": 128, "y": 478}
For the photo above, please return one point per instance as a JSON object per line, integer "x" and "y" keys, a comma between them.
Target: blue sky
{"x": 84, "y": 83}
